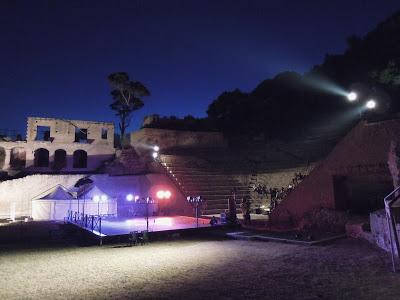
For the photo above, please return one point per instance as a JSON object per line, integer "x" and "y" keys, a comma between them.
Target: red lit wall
{"x": 360, "y": 157}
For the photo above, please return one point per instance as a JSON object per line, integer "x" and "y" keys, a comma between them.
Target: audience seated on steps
{"x": 245, "y": 207}
{"x": 278, "y": 194}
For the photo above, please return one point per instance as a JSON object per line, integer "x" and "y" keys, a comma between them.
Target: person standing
{"x": 245, "y": 207}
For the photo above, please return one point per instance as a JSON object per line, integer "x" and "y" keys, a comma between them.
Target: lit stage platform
{"x": 123, "y": 226}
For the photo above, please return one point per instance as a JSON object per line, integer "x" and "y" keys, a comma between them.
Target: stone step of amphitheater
{"x": 214, "y": 172}
{"x": 198, "y": 176}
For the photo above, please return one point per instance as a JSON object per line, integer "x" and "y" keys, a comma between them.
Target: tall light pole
{"x": 148, "y": 200}
{"x": 195, "y": 201}
{"x": 96, "y": 199}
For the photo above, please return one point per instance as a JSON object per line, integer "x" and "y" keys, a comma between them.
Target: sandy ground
{"x": 200, "y": 269}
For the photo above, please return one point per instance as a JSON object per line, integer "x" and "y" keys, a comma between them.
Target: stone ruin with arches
{"x": 59, "y": 146}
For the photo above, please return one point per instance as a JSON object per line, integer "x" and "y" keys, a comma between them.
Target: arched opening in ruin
{"x": 41, "y": 158}
{"x": 2, "y": 157}
{"x": 18, "y": 157}
{"x": 60, "y": 159}
{"x": 80, "y": 159}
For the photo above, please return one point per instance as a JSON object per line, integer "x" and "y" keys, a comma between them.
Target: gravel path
{"x": 200, "y": 269}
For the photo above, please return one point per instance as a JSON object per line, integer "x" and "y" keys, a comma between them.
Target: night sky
{"x": 55, "y": 55}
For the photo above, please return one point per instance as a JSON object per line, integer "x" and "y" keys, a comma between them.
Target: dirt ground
{"x": 200, "y": 269}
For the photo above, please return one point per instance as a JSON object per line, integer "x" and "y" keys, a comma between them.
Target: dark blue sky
{"x": 55, "y": 55}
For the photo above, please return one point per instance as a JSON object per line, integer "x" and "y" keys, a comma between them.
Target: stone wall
{"x": 63, "y": 131}
{"x": 380, "y": 230}
{"x": 169, "y": 139}
{"x": 18, "y": 193}
{"x": 357, "y": 163}
{"x": 98, "y": 147}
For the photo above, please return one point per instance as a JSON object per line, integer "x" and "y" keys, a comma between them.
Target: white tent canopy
{"x": 92, "y": 193}
{"x": 56, "y": 204}
{"x": 58, "y": 192}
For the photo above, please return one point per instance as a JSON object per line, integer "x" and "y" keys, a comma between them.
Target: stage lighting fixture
{"x": 137, "y": 198}
{"x": 371, "y": 104}
{"x": 104, "y": 197}
{"x": 129, "y": 197}
{"x": 160, "y": 194}
{"x": 156, "y": 148}
{"x": 163, "y": 194}
{"x": 155, "y": 154}
{"x": 352, "y": 96}
{"x": 96, "y": 198}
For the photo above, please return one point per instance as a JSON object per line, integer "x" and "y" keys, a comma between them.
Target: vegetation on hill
{"x": 291, "y": 103}
{"x": 282, "y": 105}
{"x": 188, "y": 122}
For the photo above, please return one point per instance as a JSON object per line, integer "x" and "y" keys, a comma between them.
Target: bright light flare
{"x": 155, "y": 154}
{"x": 163, "y": 194}
{"x": 371, "y": 104}
{"x": 129, "y": 197}
{"x": 104, "y": 197}
{"x": 96, "y": 198}
{"x": 160, "y": 194}
{"x": 167, "y": 194}
{"x": 156, "y": 148}
{"x": 352, "y": 96}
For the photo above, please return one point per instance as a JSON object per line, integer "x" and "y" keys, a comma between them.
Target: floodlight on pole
{"x": 196, "y": 201}
{"x": 352, "y": 96}
{"x": 370, "y": 104}
{"x": 167, "y": 194}
{"x": 160, "y": 194}
{"x": 163, "y": 194}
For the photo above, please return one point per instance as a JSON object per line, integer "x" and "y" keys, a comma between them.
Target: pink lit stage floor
{"x": 125, "y": 226}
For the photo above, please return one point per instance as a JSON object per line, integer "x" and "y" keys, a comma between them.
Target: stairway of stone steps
{"x": 196, "y": 177}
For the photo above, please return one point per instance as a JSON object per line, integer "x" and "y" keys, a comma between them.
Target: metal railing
{"x": 389, "y": 200}
{"x": 89, "y": 222}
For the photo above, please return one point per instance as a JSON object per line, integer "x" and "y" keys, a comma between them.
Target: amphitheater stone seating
{"x": 197, "y": 176}
{"x": 213, "y": 173}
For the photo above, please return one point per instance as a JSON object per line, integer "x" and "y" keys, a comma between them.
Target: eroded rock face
{"x": 127, "y": 162}
{"x": 324, "y": 219}
{"x": 394, "y": 162}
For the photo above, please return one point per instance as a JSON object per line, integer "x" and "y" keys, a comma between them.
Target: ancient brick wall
{"x": 63, "y": 131}
{"x": 59, "y": 146}
{"x": 167, "y": 139}
{"x": 358, "y": 162}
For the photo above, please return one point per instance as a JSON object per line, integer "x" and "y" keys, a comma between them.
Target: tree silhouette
{"x": 127, "y": 97}
{"x": 285, "y": 104}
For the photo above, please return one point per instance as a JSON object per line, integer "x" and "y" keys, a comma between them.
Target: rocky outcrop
{"x": 127, "y": 162}
{"x": 394, "y": 162}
